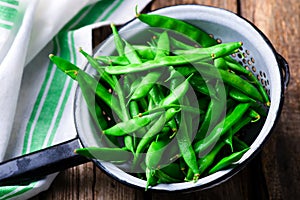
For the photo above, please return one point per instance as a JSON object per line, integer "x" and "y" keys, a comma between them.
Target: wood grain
{"x": 273, "y": 174}
{"x": 226, "y": 4}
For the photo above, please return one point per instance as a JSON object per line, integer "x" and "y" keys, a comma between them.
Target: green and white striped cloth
{"x": 36, "y": 98}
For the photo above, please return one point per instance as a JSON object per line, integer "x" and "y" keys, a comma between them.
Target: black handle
{"x": 286, "y": 70}
{"x": 33, "y": 166}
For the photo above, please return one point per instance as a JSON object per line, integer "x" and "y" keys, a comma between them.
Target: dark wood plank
{"x": 227, "y": 4}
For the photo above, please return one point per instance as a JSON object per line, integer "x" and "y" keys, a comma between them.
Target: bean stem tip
{"x": 137, "y": 14}
{"x": 51, "y": 55}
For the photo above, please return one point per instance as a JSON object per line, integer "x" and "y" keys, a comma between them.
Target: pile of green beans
{"x": 172, "y": 109}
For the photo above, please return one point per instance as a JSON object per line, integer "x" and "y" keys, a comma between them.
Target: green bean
{"x": 235, "y": 66}
{"x": 158, "y": 109}
{"x": 232, "y": 80}
{"x": 251, "y": 116}
{"x": 132, "y": 125}
{"x": 113, "y": 60}
{"x": 128, "y": 139}
{"x": 177, "y": 44}
{"x": 153, "y": 64}
{"x": 129, "y": 143}
{"x": 152, "y": 77}
{"x": 145, "y": 85}
{"x": 220, "y": 63}
{"x": 177, "y": 93}
{"x": 196, "y": 81}
{"x": 215, "y": 51}
{"x": 88, "y": 93}
{"x": 166, "y": 178}
{"x": 157, "y": 97}
{"x": 154, "y": 153}
{"x": 155, "y": 129}
{"x": 151, "y": 104}
{"x": 118, "y": 40}
{"x": 120, "y": 95}
{"x": 173, "y": 170}
{"x": 94, "y": 63}
{"x": 261, "y": 89}
{"x": 206, "y": 161}
{"x": 151, "y": 178}
{"x": 131, "y": 54}
{"x": 163, "y": 46}
{"x": 95, "y": 110}
{"x": 189, "y": 109}
{"x": 227, "y": 161}
{"x": 143, "y": 104}
{"x": 186, "y": 148}
{"x": 215, "y": 111}
{"x": 145, "y": 52}
{"x": 255, "y": 116}
{"x": 134, "y": 85}
{"x": 68, "y": 68}
{"x": 221, "y": 128}
{"x": 178, "y": 26}
{"x": 72, "y": 70}
{"x": 241, "y": 97}
{"x": 134, "y": 109}
{"x": 239, "y": 144}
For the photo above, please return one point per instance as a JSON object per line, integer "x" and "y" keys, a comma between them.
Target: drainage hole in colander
{"x": 219, "y": 41}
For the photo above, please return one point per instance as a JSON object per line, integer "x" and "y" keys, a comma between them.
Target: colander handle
{"x": 285, "y": 69}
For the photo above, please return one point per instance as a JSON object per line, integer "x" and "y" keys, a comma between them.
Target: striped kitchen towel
{"x": 36, "y": 98}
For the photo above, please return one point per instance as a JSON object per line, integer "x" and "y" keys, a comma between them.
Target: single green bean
{"x": 118, "y": 40}
{"x": 72, "y": 70}
{"x": 113, "y": 60}
{"x": 241, "y": 97}
{"x": 163, "y": 46}
{"x": 155, "y": 152}
{"x": 153, "y": 64}
{"x": 180, "y": 26}
{"x": 151, "y": 178}
{"x": 95, "y": 64}
{"x": 132, "y": 125}
{"x": 227, "y": 161}
{"x": 215, "y": 51}
{"x": 131, "y": 54}
{"x": 186, "y": 148}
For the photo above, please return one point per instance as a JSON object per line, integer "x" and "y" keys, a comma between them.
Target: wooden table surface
{"x": 273, "y": 174}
